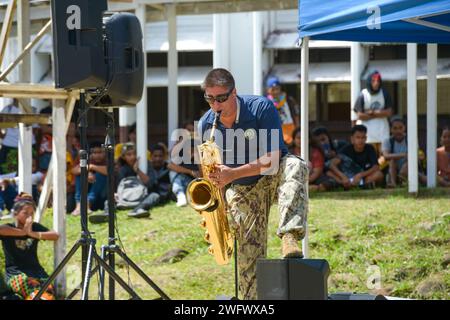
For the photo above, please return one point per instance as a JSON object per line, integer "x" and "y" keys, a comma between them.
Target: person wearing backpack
{"x": 395, "y": 151}
{"x": 137, "y": 190}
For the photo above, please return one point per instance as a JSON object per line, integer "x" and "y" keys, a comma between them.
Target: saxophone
{"x": 204, "y": 197}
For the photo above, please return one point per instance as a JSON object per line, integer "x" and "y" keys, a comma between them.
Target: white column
{"x": 127, "y": 116}
{"x": 304, "y": 115}
{"x": 172, "y": 61}
{"x": 356, "y": 68}
{"x": 25, "y": 132}
{"x": 411, "y": 62}
{"x": 59, "y": 189}
{"x": 431, "y": 114}
{"x": 221, "y": 39}
{"x": 142, "y": 107}
{"x": 48, "y": 183}
{"x": 25, "y": 158}
{"x": 257, "y": 54}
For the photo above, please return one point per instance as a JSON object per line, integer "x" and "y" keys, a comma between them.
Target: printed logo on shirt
{"x": 24, "y": 244}
{"x": 250, "y": 134}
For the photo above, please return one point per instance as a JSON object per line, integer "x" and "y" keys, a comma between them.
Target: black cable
{"x": 80, "y": 117}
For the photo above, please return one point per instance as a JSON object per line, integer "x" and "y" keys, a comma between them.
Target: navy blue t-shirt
{"x": 256, "y": 132}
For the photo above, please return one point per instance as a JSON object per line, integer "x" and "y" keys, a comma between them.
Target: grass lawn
{"x": 404, "y": 238}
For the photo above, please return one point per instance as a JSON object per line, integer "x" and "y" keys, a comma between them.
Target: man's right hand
{"x": 346, "y": 182}
{"x": 356, "y": 179}
{"x": 195, "y": 174}
{"x": 91, "y": 177}
{"x": 136, "y": 165}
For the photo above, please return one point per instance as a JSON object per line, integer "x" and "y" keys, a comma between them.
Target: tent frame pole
{"x": 304, "y": 115}
{"x": 431, "y": 114}
{"x": 413, "y": 147}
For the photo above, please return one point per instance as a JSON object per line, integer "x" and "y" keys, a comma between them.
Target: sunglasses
{"x": 220, "y": 98}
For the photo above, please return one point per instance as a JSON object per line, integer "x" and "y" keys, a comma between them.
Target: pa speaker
{"x": 97, "y": 51}
{"x": 292, "y": 279}
{"x": 78, "y": 49}
{"x": 125, "y": 56}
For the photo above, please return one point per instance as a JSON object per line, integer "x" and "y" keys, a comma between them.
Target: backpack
{"x": 392, "y": 141}
{"x": 130, "y": 192}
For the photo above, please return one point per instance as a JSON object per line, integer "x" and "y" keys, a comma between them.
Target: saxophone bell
{"x": 200, "y": 195}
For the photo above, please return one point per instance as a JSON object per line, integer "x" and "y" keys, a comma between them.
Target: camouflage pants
{"x": 249, "y": 207}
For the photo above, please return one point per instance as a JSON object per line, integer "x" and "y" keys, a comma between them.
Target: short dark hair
{"x": 359, "y": 128}
{"x": 319, "y": 130}
{"x": 397, "y": 119}
{"x": 160, "y": 146}
{"x": 219, "y": 77}
{"x": 322, "y": 130}
{"x": 445, "y": 128}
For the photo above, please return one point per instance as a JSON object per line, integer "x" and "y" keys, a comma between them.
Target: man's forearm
{"x": 383, "y": 113}
{"x": 8, "y": 231}
{"x": 315, "y": 174}
{"x": 100, "y": 169}
{"x": 49, "y": 235}
{"x": 144, "y": 178}
{"x": 394, "y": 156}
{"x": 179, "y": 169}
{"x": 364, "y": 116}
{"x": 370, "y": 171}
{"x": 339, "y": 173}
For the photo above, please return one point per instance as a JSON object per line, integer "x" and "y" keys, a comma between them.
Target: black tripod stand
{"x": 109, "y": 251}
{"x": 87, "y": 242}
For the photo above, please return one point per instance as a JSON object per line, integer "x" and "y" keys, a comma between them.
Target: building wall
{"x": 443, "y": 97}
{"x": 237, "y": 54}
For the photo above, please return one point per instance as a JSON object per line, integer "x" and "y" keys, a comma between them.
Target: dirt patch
{"x": 430, "y": 286}
{"x": 428, "y": 226}
{"x": 385, "y": 291}
{"x": 343, "y": 278}
{"x": 172, "y": 256}
{"x": 150, "y": 235}
{"x": 427, "y": 241}
{"x": 446, "y": 261}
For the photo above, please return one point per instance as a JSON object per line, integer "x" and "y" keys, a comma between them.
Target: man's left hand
{"x": 222, "y": 176}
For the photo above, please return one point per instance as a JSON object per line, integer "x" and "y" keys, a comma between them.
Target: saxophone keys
{"x": 203, "y": 223}
{"x": 206, "y": 237}
{"x": 211, "y": 250}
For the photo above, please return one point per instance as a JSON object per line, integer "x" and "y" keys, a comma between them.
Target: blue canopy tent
{"x": 399, "y": 21}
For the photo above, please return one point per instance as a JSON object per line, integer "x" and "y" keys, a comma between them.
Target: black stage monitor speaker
{"x": 98, "y": 51}
{"x": 78, "y": 50}
{"x": 292, "y": 279}
{"x": 125, "y": 56}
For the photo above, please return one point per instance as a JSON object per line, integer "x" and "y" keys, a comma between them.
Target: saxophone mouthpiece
{"x": 214, "y": 127}
{"x": 216, "y": 118}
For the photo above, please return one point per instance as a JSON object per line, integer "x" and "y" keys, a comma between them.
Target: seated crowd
{"x": 337, "y": 164}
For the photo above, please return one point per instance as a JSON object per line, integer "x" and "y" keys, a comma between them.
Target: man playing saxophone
{"x": 257, "y": 170}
